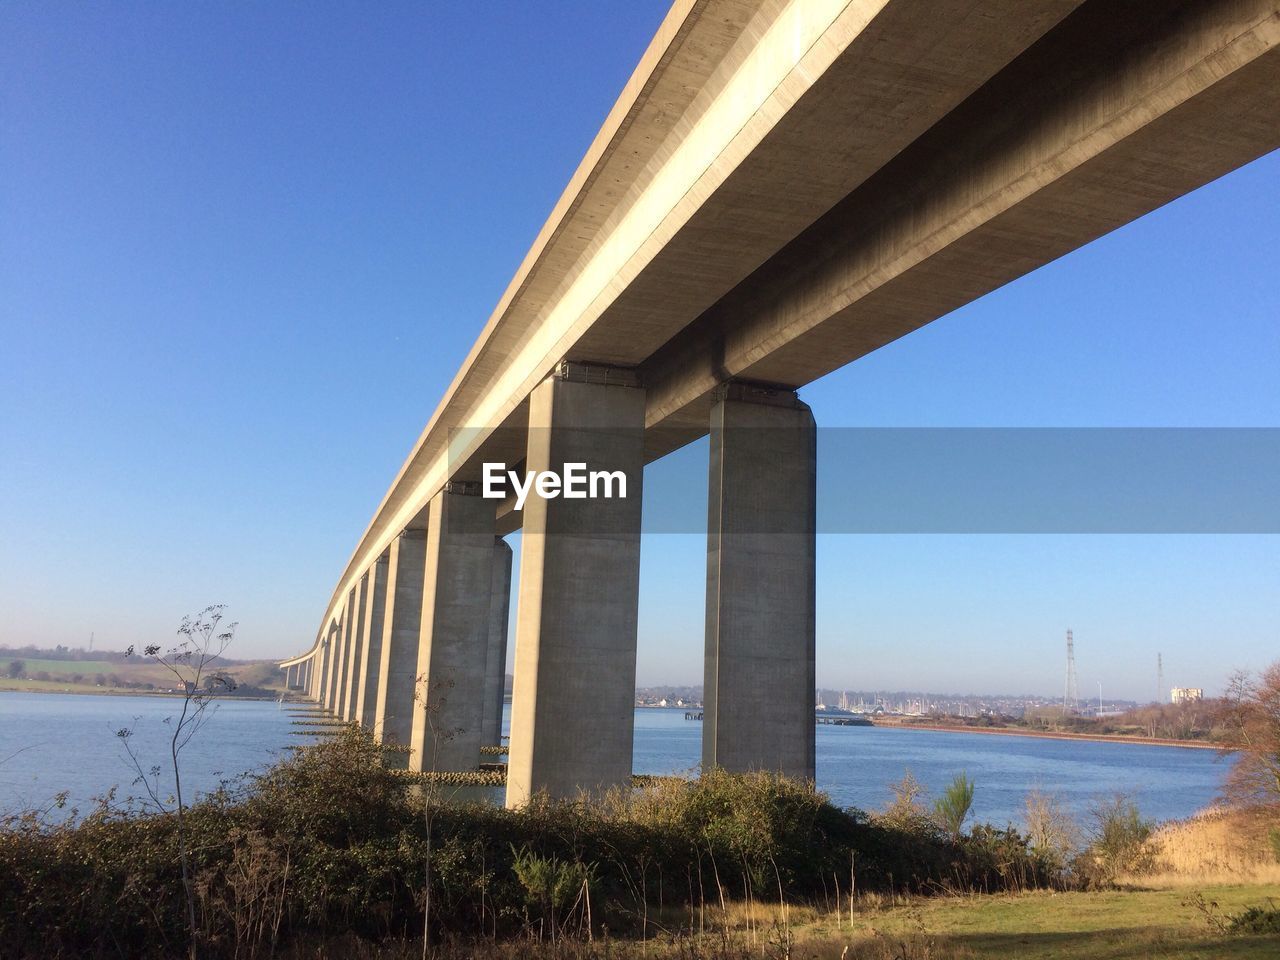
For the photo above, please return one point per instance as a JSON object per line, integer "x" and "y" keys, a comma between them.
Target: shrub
{"x": 332, "y": 842}
{"x": 1118, "y": 844}
{"x": 1256, "y": 920}
{"x": 1052, "y": 832}
{"x": 952, "y": 808}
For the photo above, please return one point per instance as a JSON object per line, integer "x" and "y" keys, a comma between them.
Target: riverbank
{"x": 85, "y": 690}
{"x": 1040, "y": 925}
{"x": 1048, "y": 734}
{"x": 326, "y": 856}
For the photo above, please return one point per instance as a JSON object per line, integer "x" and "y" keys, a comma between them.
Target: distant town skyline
{"x": 191, "y": 250}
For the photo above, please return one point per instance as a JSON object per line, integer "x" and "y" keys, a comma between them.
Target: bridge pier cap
{"x": 512, "y": 483}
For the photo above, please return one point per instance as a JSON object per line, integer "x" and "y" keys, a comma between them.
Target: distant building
{"x": 1186, "y": 694}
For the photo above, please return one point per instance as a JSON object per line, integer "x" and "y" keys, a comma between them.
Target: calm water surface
{"x": 55, "y": 742}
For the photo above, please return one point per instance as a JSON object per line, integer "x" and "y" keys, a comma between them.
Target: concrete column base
{"x": 449, "y": 700}
{"x": 573, "y": 706}
{"x": 495, "y": 671}
{"x": 758, "y": 687}
{"x": 401, "y": 627}
{"x": 320, "y": 682}
{"x": 337, "y": 658}
{"x": 355, "y": 647}
{"x": 343, "y": 664}
{"x": 370, "y": 665}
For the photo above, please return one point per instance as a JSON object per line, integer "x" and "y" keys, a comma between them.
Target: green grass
{"x": 1112, "y": 925}
{"x": 1118, "y": 925}
{"x": 139, "y": 670}
{"x": 68, "y": 667}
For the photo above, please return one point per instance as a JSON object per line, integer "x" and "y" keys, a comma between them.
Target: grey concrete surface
{"x": 371, "y": 647}
{"x": 495, "y": 669}
{"x": 336, "y": 660}
{"x": 344, "y": 657}
{"x": 401, "y": 626}
{"x": 572, "y": 712}
{"x": 758, "y": 687}
{"x": 449, "y": 699}
{"x": 354, "y": 648}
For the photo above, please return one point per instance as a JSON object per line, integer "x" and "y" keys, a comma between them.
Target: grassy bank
{"x": 1228, "y": 846}
{"x": 1036, "y": 925}
{"x": 331, "y": 854}
{"x": 331, "y": 843}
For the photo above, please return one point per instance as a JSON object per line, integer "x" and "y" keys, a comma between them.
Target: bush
{"x": 1051, "y": 830}
{"x": 1256, "y": 920}
{"x": 952, "y": 808}
{"x": 331, "y": 842}
{"x": 1118, "y": 844}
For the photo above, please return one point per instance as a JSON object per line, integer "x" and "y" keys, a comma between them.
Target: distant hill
{"x": 62, "y": 669}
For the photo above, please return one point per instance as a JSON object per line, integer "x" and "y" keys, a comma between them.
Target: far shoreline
{"x": 881, "y": 724}
{"x": 222, "y": 698}
{"x": 1052, "y": 735}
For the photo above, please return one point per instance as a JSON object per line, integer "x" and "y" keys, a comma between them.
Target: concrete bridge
{"x": 781, "y": 188}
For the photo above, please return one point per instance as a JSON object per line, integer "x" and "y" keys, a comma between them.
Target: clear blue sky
{"x": 243, "y": 248}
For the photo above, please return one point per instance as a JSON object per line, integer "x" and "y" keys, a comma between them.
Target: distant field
{"x": 139, "y": 671}
{"x": 58, "y": 686}
{"x": 67, "y": 666}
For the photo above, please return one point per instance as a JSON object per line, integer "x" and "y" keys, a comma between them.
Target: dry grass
{"x": 1217, "y": 846}
{"x": 1116, "y": 925}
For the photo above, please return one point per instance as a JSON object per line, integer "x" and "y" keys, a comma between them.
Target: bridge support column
{"x": 573, "y": 706}
{"x": 401, "y": 627}
{"x": 355, "y": 644}
{"x": 371, "y": 644}
{"x": 322, "y": 673}
{"x": 759, "y": 675}
{"x": 342, "y": 665}
{"x": 449, "y": 702}
{"x": 336, "y": 650}
{"x": 495, "y": 671}
{"x": 318, "y": 671}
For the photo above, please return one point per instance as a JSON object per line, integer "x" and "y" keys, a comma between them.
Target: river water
{"x": 50, "y": 743}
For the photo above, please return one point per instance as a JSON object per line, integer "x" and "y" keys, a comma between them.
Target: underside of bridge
{"x": 781, "y": 188}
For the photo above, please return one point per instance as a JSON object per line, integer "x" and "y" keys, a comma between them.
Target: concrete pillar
{"x": 371, "y": 643}
{"x": 401, "y": 626}
{"x": 330, "y": 659}
{"x": 354, "y": 648}
{"x": 573, "y": 704}
{"x": 758, "y": 686}
{"x": 495, "y": 670}
{"x": 449, "y": 701}
{"x": 322, "y": 675}
{"x": 343, "y": 638}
